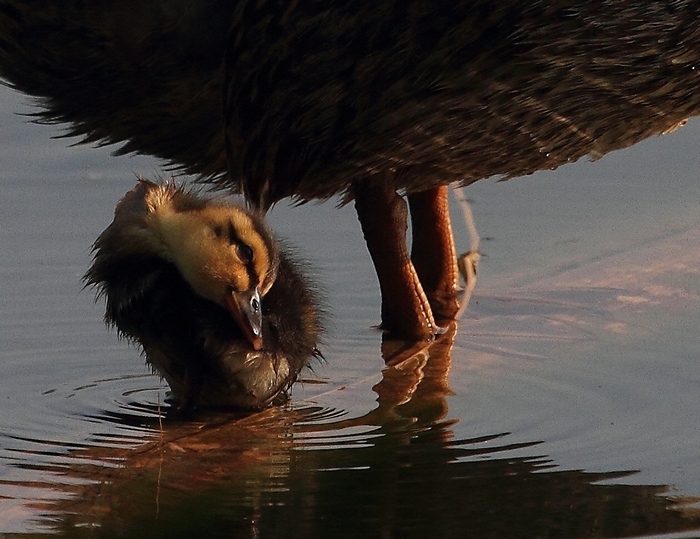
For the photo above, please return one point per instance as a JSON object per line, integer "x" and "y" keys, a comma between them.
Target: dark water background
{"x": 566, "y": 405}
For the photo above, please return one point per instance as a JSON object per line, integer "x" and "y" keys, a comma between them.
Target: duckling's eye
{"x": 245, "y": 253}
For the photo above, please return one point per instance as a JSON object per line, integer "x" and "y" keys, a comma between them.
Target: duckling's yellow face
{"x": 219, "y": 248}
{"x": 226, "y": 255}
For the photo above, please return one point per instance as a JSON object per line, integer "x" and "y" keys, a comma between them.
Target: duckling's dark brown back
{"x": 317, "y": 94}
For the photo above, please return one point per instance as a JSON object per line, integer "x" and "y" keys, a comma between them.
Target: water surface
{"x": 563, "y": 405}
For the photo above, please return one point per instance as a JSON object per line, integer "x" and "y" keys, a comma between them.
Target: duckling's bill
{"x": 246, "y": 311}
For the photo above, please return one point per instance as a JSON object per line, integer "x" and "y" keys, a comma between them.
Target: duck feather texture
{"x": 317, "y": 94}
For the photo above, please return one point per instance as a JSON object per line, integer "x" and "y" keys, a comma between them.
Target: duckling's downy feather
{"x": 193, "y": 342}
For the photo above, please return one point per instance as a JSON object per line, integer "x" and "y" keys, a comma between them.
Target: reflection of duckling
{"x": 220, "y": 311}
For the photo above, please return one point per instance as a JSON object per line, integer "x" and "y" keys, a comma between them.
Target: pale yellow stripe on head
{"x": 159, "y": 198}
{"x": 248, "y": 233}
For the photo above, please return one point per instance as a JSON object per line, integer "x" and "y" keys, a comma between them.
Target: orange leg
{"x": 406, "y": 312}
{"x": 433, "y": 252}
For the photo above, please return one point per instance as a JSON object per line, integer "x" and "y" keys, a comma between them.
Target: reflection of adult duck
{"x": 361, "y": 99}
{"x": 221, "y": 312}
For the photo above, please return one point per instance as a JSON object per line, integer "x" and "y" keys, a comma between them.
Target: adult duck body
{"x": 361, "y": 100}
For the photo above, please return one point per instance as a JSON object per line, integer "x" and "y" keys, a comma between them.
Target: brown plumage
{"x": 360, "y": 99}
{"x": 221, "y": 312}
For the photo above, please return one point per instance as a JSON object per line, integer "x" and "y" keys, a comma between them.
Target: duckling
{"x": 221, "y": 312}
{"x": 362, "y": 100}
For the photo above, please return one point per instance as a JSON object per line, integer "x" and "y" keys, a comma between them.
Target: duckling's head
{"x": 226, "y": 257}
{"x": 226, "y": 253}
